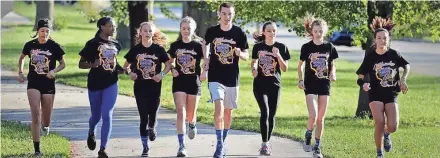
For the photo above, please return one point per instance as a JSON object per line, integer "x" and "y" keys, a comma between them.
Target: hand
{"x": 96, "y": 63}
{"x": 254, "y": 72}
{"x": 175, "y": 73}
{"x": 51, "y": 74}
{"x": 366, "y": 87}
{"x": 301, "y": 84}
{"x": 20, "y": 78}
{"x": 157, "y": 77}
{"x": 403, "y": 87}
{"x": 133, "y": 76}
{"x": 203, "y": 76}
{"x": 276, "y": 52}
{"x": 237, "y": 51}
{"x": 205, "y": 66}
{"x": 332, "y": 77}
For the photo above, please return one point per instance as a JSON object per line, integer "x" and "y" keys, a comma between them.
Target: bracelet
{"x": 20, "y": 72}
{"x": 163, "y": 73}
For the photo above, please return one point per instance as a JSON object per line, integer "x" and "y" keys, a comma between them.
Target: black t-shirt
{"x": 318, "y": 63}
{"x": 187, "y": 63}
{"x": 105, "y": 74}
{"x": 223, "y": 64}
{"x": 146, "y": 62}
{"x": 383, "y": 70}
{"x": 268, "y": 66}
{"x": 43, "y": 58}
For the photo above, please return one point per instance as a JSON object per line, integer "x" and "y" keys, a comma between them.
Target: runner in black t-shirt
{"x": 269, "y": 58}
{"x": 226, "y": 43}
{"x": 320, "y": 70}
{"x": 99, "y": 55}
{"x": 144, "y": 62}
{"x": 382, "y": 65}
{"x": 43, "y": 53}
{"x": 186, "y": 52}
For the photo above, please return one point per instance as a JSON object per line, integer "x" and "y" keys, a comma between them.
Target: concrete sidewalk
{"x": 71, "y": 113}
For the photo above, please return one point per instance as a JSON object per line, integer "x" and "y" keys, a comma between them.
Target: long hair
{"x": 310, "y": 21}
{"x": 159, "y": 37}
{"x": 380, "y": 24}
{"x": 192, "y": 23}
{"x": 259, "y": 36}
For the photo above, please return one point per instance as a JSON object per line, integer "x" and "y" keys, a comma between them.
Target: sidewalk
{"x": 71, "y": 113}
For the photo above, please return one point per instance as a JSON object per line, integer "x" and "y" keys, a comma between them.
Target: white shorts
{"x": 229, "y": 95}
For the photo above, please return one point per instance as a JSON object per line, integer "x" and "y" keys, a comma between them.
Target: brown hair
{"x": 226, "y": 5}
{"x": 159, "y": 37}
{"x": 310, "y": 21}
{"x": 380, "y": 24}
{"x": 193, "y": 25}
{"x": 259, "y": 36}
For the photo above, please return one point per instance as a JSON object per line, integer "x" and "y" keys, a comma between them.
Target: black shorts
{"x": 45, "y": 87}
{"x": 190, "y": 85}
{"x": 385, "y": 98}
{"x": 317, "y": 89}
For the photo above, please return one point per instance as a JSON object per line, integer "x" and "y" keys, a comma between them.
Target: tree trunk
{"x": 383, "y": 9}
{"x": 138, "y": 13}
{"x": 203, "y": 18}
{"x": 45, "y": 10}
{"x": 123, "y": 35}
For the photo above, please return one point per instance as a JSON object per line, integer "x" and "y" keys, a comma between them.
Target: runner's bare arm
{"x": 61, "y": 66}
{"x": 406, "y": 69}
{"x": 300, "y": 70}
{"x": 21, "y": 63}
{"x": 244, "y": 55}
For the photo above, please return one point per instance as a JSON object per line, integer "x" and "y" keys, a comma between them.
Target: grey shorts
{"x": 229, "y": 95}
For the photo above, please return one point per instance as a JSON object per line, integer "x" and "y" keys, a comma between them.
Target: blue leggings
{"x": 102, "y": 103}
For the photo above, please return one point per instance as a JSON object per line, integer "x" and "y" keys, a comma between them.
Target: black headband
{"x": 44, "y": 23}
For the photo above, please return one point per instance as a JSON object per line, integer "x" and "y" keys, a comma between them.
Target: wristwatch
{"x": 163, "y": 73}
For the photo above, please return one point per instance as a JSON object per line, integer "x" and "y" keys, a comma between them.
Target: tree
{"x": 204, "y": 18}
{"x": 137, "y": 13}
{"x": 45, "y": 10}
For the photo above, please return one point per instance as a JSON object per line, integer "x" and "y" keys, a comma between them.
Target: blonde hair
{"x": 310, "y": 21}
{"x": 159, "y": 37}
{"x": 192, "y": 23}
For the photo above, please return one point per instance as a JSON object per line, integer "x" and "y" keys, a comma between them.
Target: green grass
{"x": 17, "y": 142}
{"x": 344, "y": 135}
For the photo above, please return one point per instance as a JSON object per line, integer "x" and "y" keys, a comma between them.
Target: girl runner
{"x": 385, "y": 83}
{"x": 144, "y": 62}
{"x": 269, "y": 58}
{"x": 186, "y": 52}
{"x": 43, "y": 53}
{"x": 99, "y": 55}
{"x": 320, "y": 70}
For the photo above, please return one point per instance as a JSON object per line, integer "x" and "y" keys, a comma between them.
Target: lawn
{"x": 344, "y": 135}
{"x": 17, "y": 142}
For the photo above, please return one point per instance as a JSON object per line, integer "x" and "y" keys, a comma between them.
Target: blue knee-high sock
{"x": 219, "y": 134}
{"x": 379, "y": 152}
{"x": 225, "y": 134}
{"x": 109, "y": 96}
{"x": 317, "y": 142}
{"x": 181, "y": 139}
{"x": 144, "y": 140}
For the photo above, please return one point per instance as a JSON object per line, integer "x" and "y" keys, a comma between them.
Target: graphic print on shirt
{"x": 145, "y": 64}
{"x": 224, "y": 50}
{"x": 385, "y": 73}
{"x": 267, "y": 63}
{"x": 319, "y": 64}
{"x": 40, "y": 61}
{"x": 186, "y": 61}
{"x": 107, "y": 54}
